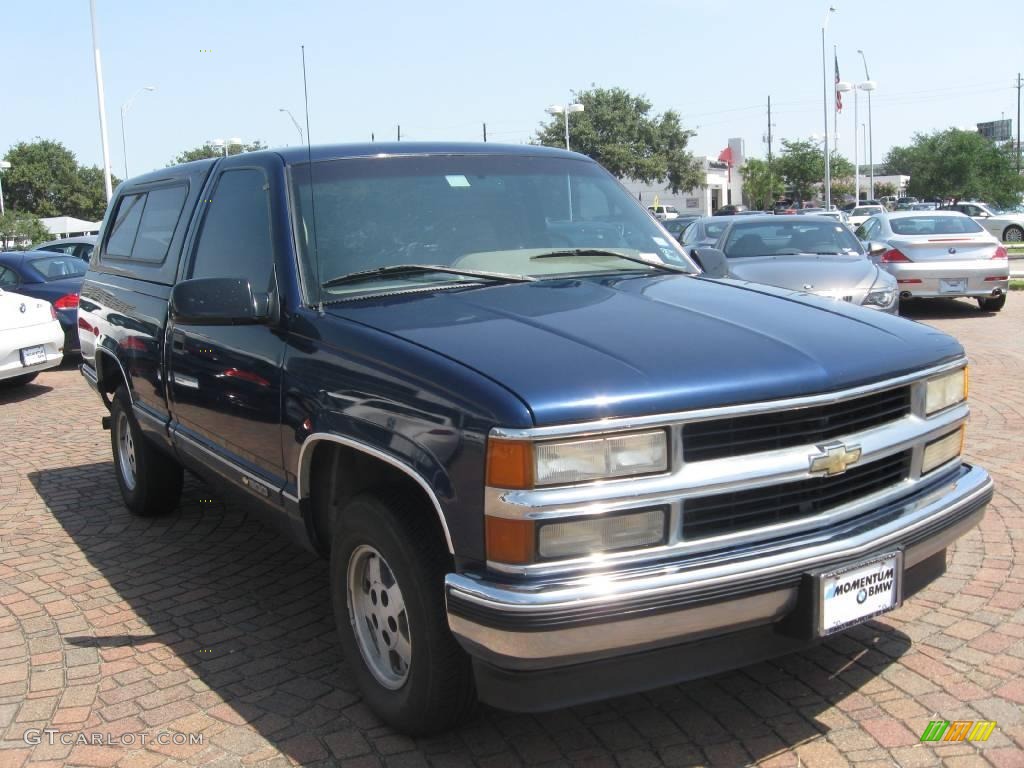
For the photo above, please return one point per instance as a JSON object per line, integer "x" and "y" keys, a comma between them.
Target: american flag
{"x": 839, "y": 94}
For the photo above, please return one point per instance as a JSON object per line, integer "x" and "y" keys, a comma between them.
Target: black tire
{"x": 992, "y": 305}
{"x": 19, "y": 381}
{"x": 438, "y": 691}
{"x": 1013, "y": 234}
{"x": 155, "y": 487}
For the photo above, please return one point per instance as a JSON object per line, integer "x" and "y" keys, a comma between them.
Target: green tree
{"x": 885, "y": 189}
{"x": 802, "y": 165}
{"x": 90, "y": 198}
{"x": 42, "y": 178}
{"x": 21, "y": 230}
{"x": 958, "y": 164}
{"x": 618, "y": 130}
{"x": 205, "y": 151}
{"x": 761, "y": 183}
{"x": 45, "y": 179}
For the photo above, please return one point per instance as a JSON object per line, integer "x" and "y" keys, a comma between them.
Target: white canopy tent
{"x": 68, "y": 226}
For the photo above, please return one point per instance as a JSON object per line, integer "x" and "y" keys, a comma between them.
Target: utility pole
{"x": 1019, "y": 83}
{"x": 485, "y": 133}
{"x": 399, "y": 132}
{"x": 769, "y": 133}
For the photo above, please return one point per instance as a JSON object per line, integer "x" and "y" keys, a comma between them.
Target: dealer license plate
{"x": 33, "y": 355}
{"x": 855, "y": 594}
{"x": 953, "y": 286}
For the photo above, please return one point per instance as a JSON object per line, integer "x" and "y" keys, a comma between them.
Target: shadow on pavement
{"x": 250, "y": 616}
{"x": 943, "y": 309}
{"x": 15, "y": 394}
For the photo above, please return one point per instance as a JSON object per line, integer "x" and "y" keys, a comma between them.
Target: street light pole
{"x": 302, "y": 136}
{"x": 102, "y": 107}
{"x": 871, "y": 137}
{"x": 824, "y": 109}
{"x": 564, "y": 110}
{"x": 4, "y": 165}
{"x": 124, "y": 111}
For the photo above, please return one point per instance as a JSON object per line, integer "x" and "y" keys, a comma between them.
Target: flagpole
{"x": 824, "y": 109}
{"x": 835, "y": 101}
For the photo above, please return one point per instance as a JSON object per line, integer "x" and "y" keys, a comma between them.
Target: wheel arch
{"x": 109, "y": 376}
{"x": 313, "y": 445}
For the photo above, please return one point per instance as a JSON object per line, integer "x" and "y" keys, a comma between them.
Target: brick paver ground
{"x": 206, "y": 623}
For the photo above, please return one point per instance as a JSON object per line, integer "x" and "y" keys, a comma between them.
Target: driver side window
{"x": 7, "y": 277}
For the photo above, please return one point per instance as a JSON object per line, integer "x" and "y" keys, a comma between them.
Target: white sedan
{"x": 31, "y": 339}
{"x": 939, "y": 254}
{"x": 1008, "y": 226}
{"x": 862, "y": 213}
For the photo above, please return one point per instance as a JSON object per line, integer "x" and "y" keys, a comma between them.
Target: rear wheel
{"x": 1013, "y": 234}
{"x": 149, "y": 479}
{"x": 992, "y": 305}
{"x": 387, "y": 589}
{"x": 19, "y": 381}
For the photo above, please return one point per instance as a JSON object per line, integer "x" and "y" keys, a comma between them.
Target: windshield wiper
{"x": 569, "y": 252}
{"x": 415, "y": 269}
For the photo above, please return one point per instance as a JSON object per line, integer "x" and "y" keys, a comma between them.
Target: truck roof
{"x": 293, "y": 155}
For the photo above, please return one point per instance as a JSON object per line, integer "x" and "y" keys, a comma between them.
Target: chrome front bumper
{"x": 517, "y": 623}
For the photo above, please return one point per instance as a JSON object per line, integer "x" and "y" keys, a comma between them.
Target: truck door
{"x": 225, "y": 380}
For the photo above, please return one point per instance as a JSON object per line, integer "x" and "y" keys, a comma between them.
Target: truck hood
{"x": 578, "y": 349}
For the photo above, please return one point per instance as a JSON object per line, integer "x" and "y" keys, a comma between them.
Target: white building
{"x": 69, "y": 226}
{"x": 721, "y": 185}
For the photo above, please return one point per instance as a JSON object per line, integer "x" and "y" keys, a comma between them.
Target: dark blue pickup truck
{"x": 550, "y": 456}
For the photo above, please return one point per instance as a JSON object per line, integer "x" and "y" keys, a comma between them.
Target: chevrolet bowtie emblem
{"x": 834, "y": 459}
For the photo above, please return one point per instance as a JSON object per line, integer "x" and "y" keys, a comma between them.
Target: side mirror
{"x": 711, "y": 261}
{"x": 876, "y": 248}
{"x": 218, "y": 301}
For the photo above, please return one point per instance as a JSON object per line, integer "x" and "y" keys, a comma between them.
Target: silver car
{"x": 939, "y": 254}
{"x": 815, "y": 254}
{"x": 75, "y": 246}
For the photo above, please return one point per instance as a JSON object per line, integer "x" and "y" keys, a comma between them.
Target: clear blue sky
{"x": 442, "y": 68}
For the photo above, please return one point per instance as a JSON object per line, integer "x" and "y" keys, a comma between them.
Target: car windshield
{"x": 995, "y": 210}
{"x": 790, "y": 238}
{"x": 484, "y": 213}
{"x": 714, "y": 229}
{"x": 58, "y": 267}
{"x": 934, "y": 225}
{"x": 866, "y": 210}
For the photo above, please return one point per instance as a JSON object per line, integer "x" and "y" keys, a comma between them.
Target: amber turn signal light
{"x": 510, "y": 541}
{"x": 510, "y": 464}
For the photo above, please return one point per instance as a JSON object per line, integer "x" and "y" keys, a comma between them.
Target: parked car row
{"x": 909, "y": 254}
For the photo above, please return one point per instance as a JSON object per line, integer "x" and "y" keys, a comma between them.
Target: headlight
{"x": 578, "y": 538}
{"x": 938, "y": 452}
{"x": 525, "y": 464}
{"x": 881, "y": 298}
{"x": 521, "y": 542}
{"x": 946, "y": 390}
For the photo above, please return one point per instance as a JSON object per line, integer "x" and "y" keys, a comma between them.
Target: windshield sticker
{"x": 457, "y": 181}
{"x": 660, "y": 241}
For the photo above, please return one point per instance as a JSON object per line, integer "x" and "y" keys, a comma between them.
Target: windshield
{"x": 58, "y": 267}
{"x": 995, "y": 210}
{"x": 866, "y": 210}
{"x": 789, "y": 238}
{"x": 484, "y": 213}
{"x": 934, "y": 225}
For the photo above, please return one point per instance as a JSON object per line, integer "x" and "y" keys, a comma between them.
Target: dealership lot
{"x": 206, "y": 625}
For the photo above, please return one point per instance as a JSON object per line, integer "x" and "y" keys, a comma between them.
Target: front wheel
{"x": 149, "y": 479}
{"x": 387, "y": 590}
{"x": 1013, "y": 234}
{"x": 992, "y": 305}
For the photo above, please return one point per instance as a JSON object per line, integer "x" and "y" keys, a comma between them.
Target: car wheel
{"x": 149, "y": 479}
{"x": 992, "y": 305}
{"x": 387, "y": 589}
{"x": 19, "y": 381}
{"x": 1013, "y": 234}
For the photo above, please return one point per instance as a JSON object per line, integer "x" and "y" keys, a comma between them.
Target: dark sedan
{"x": 705, "y": 231}
{"x": 56, "y": 277}
{"x": 677, "y": 226}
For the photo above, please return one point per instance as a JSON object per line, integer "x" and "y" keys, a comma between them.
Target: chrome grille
{"x": 723, "y": 438}
{"x": 739, "y": 511}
